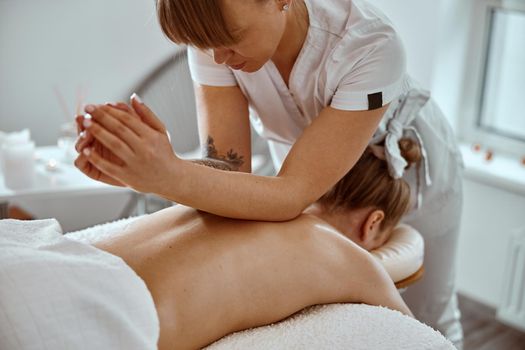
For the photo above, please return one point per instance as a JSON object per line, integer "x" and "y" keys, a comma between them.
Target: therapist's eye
{"x": 239, "y": 35}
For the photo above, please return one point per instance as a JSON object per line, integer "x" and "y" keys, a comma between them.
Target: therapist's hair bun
{"x": 410, "y": 150}
{"x": 369, "y": 185}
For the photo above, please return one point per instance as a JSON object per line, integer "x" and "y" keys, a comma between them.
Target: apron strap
{"x": 400, "y": 118}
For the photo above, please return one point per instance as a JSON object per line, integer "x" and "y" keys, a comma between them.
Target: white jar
{"x": 66, "y": 142}
{"x": 18, "y": 158}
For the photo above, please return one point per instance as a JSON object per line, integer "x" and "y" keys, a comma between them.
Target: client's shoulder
{"x": 314, "y": 223}
{"x": 318, "y": 229}
{"x": 324, "y": 233}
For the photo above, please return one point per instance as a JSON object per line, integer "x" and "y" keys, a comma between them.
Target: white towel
{"x": 339, "y": 327}
{"x": 56, "y": 293}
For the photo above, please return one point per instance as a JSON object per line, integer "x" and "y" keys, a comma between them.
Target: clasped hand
{"x": 125, "y": 145}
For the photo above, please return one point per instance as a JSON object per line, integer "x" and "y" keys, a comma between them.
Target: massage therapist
{"x": 319, "y": 80}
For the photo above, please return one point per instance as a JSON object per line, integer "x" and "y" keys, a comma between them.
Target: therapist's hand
{"x": 84, "y": 137}
{"x": 141, "y": 153}
{"x": 86, "y": 140}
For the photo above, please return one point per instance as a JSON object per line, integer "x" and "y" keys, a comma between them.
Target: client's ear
{"x": 371, "y": 228}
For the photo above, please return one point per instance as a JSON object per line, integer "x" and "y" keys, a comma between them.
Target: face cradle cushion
{"x": 402, "y": 255}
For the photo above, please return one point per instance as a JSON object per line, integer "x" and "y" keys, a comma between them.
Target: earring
{"x": 286, "y": 7}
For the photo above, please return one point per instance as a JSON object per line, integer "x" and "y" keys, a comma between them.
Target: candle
{"x": 18, "y": 161}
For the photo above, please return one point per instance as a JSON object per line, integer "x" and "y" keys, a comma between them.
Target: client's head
{"x": 367, "y": 203}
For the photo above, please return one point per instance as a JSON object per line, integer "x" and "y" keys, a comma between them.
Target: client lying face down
{"x": 366, "y": 204}
{"x": 210, "y": 276}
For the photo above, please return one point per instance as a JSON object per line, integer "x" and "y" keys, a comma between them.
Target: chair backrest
{"x": 168, "y": 90}
{"x": 169, "y": 93}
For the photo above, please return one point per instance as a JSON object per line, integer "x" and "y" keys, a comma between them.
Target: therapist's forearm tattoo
{"x": 231, "y": 161}
{"x": 214, "y": 163}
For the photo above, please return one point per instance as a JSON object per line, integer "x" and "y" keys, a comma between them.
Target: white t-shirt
{"x": 352, "y": 59}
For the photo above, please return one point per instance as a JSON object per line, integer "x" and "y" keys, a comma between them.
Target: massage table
{"x": 45, "y": 303}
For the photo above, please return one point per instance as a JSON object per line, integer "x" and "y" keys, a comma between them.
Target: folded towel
{"x": 57, "y": 293}
{"x": 339, "y": 327}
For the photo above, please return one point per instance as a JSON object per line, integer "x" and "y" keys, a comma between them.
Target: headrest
{"x": 402, "y": 255}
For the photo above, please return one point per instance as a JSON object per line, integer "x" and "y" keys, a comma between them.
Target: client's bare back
{"x": 210, "y": 276}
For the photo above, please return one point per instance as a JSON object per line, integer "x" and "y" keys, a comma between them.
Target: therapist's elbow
{"x": 277, "y": 212}
{"x": 287, "y": 215}
{"x": 293, "y": 203}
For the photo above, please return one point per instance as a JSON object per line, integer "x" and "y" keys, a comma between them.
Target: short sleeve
{"x": 205, "y": 71}
{"x": 370, "y": 70}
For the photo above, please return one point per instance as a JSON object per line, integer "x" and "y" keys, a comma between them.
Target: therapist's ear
{"x": 371, "y": 229}
{"x": 146, "y": 114}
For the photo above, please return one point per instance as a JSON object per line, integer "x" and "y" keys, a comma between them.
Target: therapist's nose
{"x": 221, "y": 55}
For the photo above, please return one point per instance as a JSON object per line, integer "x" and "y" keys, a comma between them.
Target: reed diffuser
{"x": 68, "y": 131}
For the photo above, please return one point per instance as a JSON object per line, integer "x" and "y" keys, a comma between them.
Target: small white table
{"x": 62, "y": 182}
{"x": 67, "y": 181}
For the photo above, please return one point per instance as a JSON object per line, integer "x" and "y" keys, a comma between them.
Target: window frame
{"x": 471, "y": 128}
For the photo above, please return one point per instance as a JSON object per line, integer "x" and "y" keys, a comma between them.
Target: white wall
{"x": 413, "y": 19}
{"x": 106, "y": 46}
{"x": 490, "y": 216}
{"x": 435, "y": 34}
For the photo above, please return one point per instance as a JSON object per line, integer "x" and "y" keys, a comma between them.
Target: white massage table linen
{"x": 56, "y": 293}
{"x": 339, "y": 327}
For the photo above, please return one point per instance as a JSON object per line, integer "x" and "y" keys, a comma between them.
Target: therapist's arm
{"x": 324, "y": 153}
{"x": 224, "y": 128}
{"x": 215, "y": 163}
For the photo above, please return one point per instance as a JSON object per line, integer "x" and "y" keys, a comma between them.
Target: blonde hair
{"x": 368, "y": 184}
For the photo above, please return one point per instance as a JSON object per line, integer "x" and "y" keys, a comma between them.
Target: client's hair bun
{"x": 410, "y": 150}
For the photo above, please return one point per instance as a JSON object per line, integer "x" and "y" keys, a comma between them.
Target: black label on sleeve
{"x": 375, "y": 101}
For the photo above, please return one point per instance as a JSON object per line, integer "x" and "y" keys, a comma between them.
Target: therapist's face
{"x": 259, "y": 27}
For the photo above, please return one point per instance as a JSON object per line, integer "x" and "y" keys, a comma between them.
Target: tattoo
{"x": 214, "y": 163}
{"x": 212, "y": 157}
